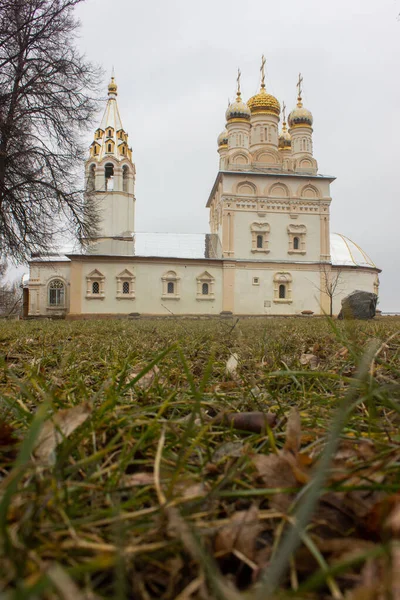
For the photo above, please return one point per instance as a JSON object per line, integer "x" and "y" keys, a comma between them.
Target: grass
{"x": 150, "y": 498}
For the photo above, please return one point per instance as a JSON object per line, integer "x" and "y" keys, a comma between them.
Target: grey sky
{"x": 175, "y": 65}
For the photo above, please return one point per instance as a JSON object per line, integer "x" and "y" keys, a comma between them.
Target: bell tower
{"x": 110, "y": 180}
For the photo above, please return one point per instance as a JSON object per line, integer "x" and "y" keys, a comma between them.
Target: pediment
{"x": 95, "y": 274}
{"x": 125, "y": 274}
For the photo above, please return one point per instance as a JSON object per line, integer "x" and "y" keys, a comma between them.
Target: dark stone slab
{"x": 359, "y": 305}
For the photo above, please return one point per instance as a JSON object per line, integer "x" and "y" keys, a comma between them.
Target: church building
{"x": 269, "y": 250}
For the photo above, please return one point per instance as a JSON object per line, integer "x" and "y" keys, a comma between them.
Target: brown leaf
{"x": 58, "y": 427}
{"x": 145, "y": 382}
{"x": 293, "y": 433}
{"x": 256, "y": 422}
{"x": 240, "y": 533}
{"x": 8, "y": 441}
{"x": 309, "y": 359}
{"x": 276, "y": 472}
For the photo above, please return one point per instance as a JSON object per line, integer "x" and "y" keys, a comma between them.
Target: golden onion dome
{"x": 112, "y": 87}
{"x": 300, "y": 116}
{"x": 264, "y": 104}
{"x": 223, "y": 139}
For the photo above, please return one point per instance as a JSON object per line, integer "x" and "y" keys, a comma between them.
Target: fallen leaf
{"x": 256, "y": 422}
{"x": 145, "y": 382}
{"x": 137, "y": 479}
{"x": 194, "y": 490}
{"x": 240, "y": 533}
{"x": 287, "y": 468}
{"x": 57, "y": 428}
{"x": 309, "y": 359}
{"x": 232, "y": 364}
{"x": 276, "y": 472}
{"x": 229, "y": 449}
{"x": 293, "y": 433}
{"x": 8, "y": 441}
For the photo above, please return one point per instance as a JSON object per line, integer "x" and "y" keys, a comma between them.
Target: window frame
{"x": 171, "y": 277}
{"x": 205, "y": 278}
{"x": 283, "y": 278}
{"x": 63, "y": 289}
{"x": 299, "y": 232}
{"x": 95, "y": 276}
{"x": 260, "y": 229}
{"x": 126, "y": 276}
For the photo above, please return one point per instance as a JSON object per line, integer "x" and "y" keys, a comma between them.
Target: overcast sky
{"x": 175, "y": 65}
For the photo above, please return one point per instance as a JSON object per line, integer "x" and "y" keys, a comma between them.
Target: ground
{"x": 148, "y": 480}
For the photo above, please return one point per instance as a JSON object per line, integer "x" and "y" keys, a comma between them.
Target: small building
{"x": 269, "y": 250}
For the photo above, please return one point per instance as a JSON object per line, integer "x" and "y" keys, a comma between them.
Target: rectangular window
{"x": 256, "y": 281}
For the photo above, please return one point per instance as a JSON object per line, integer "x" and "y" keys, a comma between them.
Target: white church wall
{"x": 150, "y": 285}
{"x": 257, "y": 291}
{"x": 278, "y": 237}
{"x": 41, "y": 274}
{"x": 349, "y": 280}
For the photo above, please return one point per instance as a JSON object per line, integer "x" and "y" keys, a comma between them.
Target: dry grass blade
{"x": 63, "y": 583}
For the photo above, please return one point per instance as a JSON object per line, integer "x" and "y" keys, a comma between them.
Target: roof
{"x": 346, "y": 253}
{"x": 111, "y": 117}
{"x": 177, "y": 245}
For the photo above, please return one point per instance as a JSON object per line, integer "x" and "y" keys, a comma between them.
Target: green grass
{"x": 80, "y": 527}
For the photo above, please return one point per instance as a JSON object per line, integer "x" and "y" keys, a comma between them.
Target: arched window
{"x": 95, "y": 150}
{"x": 125, "y": 287}
{"x": 205, "y": 286}
{"x": 109, "y": 176}
{"x": 108, "y": 147}
{"x": 171, "y": 286}
{"x": 125, "y": 173}
{"x": 283, "y": 287}
{"x": 260, "y": 241}
{"x": 95, "y": 287}
{"x": 56, "y": 292}
{"x": 109, "y": 133}
{"x": 296, "y": 243}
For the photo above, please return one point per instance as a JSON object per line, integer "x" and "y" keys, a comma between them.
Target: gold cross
{"x": 299, "y": 85}
{"x": 284, "y": 111}
{"x": 262, "y": 69}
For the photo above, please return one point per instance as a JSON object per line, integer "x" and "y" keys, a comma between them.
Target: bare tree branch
{"x": 47, "y": 100}
{"x": 331, "y": 282}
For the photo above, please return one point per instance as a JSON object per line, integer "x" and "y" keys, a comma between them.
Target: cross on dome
{"x": 284, "y": 112}
{"x": 238, "y": 83}
{"x": 299, "y": 88}
{"x": 262, "y": 69}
